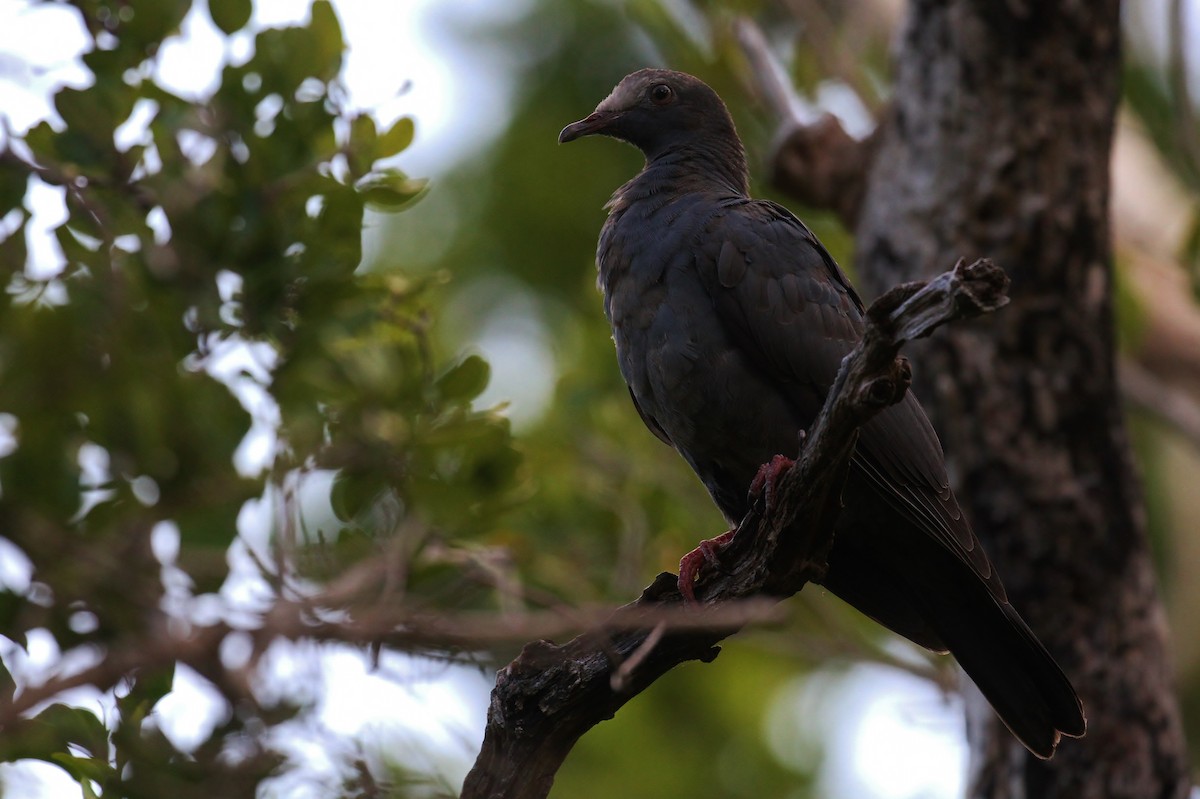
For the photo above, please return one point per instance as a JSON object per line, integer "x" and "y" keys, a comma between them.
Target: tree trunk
{"x": 997, "y": 144}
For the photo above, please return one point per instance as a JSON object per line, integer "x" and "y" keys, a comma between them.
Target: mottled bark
{"x": 997, "y": 144}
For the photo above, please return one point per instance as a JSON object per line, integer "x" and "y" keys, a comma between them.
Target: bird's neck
{"x": 686, "y": 169}
{"x": 706, "y": 164}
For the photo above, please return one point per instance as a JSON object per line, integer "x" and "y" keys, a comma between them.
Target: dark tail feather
{"x": 995, "y": 647}
{"x": 927, "y": 594}
{"x": 1014, "y": 672}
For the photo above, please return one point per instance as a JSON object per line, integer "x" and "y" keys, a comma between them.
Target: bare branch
{"x": 820, "y": 164}
{"x": 1177, "y": 79}
{"x": 770, "y": 80}
{"x": 834, "y": 58}
{"x": 396, "y": 626}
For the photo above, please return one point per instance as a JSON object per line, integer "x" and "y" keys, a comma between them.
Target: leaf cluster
{"x": 209, "y": 304}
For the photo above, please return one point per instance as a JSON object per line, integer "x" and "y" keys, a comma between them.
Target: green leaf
{"x": 40, "y": 139}
{"x": 80, "y": 726}
{"x": 13, "y": 183}
{"x": 146, "y": 689}
{"x": 353, "y": 492}
{"x": 466, "y": 381}
{"x": 13, "y": 250}
{"x": 363, "y": 137}
{"x": 151, "y": 22}
{"x": 83, "y": 769}
{"x": 327, "y": 59}
{"x": 11, "y": 605}
{"x": 8, "y": 686}
{"x": 230, "y": 15}
{"x": 62, "y": 725}
{"x": 396, "y": 139}
{"x": 90, "y": 120}
{"x": 390, "y": 190}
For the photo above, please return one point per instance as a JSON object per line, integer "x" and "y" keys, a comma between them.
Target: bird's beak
{"x": 595, "y": 123}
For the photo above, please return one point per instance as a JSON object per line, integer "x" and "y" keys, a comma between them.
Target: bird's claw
{"x": 768, "y": 477}
{"x": 690, "y": 564}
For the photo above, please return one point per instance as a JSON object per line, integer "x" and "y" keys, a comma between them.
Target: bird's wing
{"x": 786, "y": 303}
{"x": 651, "y": 423}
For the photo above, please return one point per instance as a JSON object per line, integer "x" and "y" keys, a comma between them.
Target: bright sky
{"x": 895, "y": 738}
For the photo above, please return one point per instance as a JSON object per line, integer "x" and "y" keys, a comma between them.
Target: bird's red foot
{"x": 767, "y": 478}
{"x": 689, "y": 564}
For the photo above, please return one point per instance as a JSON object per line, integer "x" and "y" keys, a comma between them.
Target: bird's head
{"x": 657, "y": 110}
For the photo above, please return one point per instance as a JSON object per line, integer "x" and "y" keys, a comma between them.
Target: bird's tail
{"x": 998, "y": 651}
{"x": 1014, "y": 672}
{"x": 935, "y": 599}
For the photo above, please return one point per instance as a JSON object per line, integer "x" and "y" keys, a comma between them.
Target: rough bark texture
{"x": 997, "y": 143}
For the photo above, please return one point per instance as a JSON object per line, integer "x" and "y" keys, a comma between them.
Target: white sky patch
{"x": 49, "y": 204}
{"x": 164, "y": 542}
{"x": 16, "y": 569}
{"x": 401, "y": 62}
{"x": 190, "y": 64}
{"x": 837, "y": 98}
{"x": 42, "y": 658}
{"x": 245, "y": 368}
{"x": 403, "y": 687}
{"x": 11, "y": 222}
{"x": 156, "y": 220}
{"x": 523, "y": 367}
{"x": 884, "y": 733}
{"x": 35, "y": 779}
{"x": 191, "y": 711}
{"x": 94, "y": 465}
{"x": 196, "y": 147}
{"x": 427, "y": 715}
{"x": 506, "y": 324}
{"x": 39, "y": 53}
{"x": 136, "y": 128}
{"x": 9, "y": 430}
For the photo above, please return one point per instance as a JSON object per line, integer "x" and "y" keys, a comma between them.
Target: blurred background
{"x": 220, "y": 398}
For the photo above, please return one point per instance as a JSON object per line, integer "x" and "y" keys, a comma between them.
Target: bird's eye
{"x": 661, "y": 94}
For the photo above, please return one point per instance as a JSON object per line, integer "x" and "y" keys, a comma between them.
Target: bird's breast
{"x": 685, "y": 371}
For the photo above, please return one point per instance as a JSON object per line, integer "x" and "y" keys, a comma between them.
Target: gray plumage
{"x": 730, "y": 321}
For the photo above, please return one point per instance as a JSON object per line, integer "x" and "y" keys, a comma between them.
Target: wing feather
{"x": 792, "y": 311}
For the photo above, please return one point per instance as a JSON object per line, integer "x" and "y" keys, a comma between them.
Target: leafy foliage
{"x": 209, "y": 277}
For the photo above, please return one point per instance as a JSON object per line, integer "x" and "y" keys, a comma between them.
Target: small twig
{"x": 56, "y": 176}
{"x": 398, "y": 627}
{"x": 621, "y": 677}
{"x": 818, "y": 164}
{"x": 152, "y": 652}
{"x": 770, "y": 80}
{"x": 830, "y": 48}
{"x": 1186, "y": 129}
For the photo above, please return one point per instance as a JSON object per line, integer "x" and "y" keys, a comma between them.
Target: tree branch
{"x": 819, "y": 164}
{"x": 551, "y": 695}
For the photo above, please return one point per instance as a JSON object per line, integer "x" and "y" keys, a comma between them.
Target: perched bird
{"x": 730, "y": 321}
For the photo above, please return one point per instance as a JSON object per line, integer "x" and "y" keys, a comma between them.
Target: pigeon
{"x": 730, "y": 321}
